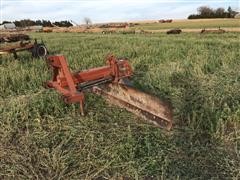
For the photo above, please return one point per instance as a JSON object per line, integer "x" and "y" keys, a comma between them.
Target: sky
{"x": 105, "y": 10}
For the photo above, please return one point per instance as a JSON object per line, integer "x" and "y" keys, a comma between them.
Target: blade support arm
{"x": 70, "y": 85}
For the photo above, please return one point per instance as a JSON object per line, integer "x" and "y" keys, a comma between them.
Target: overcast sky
{"x": 105, "y": 10}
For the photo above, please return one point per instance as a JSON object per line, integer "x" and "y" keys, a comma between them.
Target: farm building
{"x": 237, "y": 16}
{"x": 7, "y": 26}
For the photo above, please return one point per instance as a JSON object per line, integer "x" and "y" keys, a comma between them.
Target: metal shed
{"x": 237, "y": 16}
{"x": 7, "y": 26}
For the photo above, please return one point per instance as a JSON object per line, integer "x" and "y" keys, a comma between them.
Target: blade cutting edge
{"x": 141, "y": 104}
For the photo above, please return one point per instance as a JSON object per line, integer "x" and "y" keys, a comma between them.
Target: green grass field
{"x": 191, "y": 24}
{"x": 43, "y": 138}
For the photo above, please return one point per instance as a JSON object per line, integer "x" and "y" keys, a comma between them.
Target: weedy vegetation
{"x": 43, "y": 138}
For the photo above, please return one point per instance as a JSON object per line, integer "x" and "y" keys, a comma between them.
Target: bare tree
{"x": 87, "y": 21}
{"x": 205, "y": 11}
{"x": 220, "y": 11}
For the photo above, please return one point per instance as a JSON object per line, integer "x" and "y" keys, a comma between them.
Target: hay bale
{"x": 47, "y": 30}
{"x": 174, "y": 31}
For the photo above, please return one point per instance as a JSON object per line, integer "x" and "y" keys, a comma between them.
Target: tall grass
{"x": 41, "y": 137}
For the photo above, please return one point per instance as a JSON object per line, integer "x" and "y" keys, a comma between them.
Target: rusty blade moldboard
{"x": 141, "y": 104}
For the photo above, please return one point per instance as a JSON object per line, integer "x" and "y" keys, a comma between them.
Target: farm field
{"x": 43, "y": 138}
{"x": 191, "y": 24}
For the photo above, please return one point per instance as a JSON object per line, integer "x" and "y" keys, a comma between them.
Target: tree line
{"x": 44, "y": 23}
{"x": 207, "y": 12}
